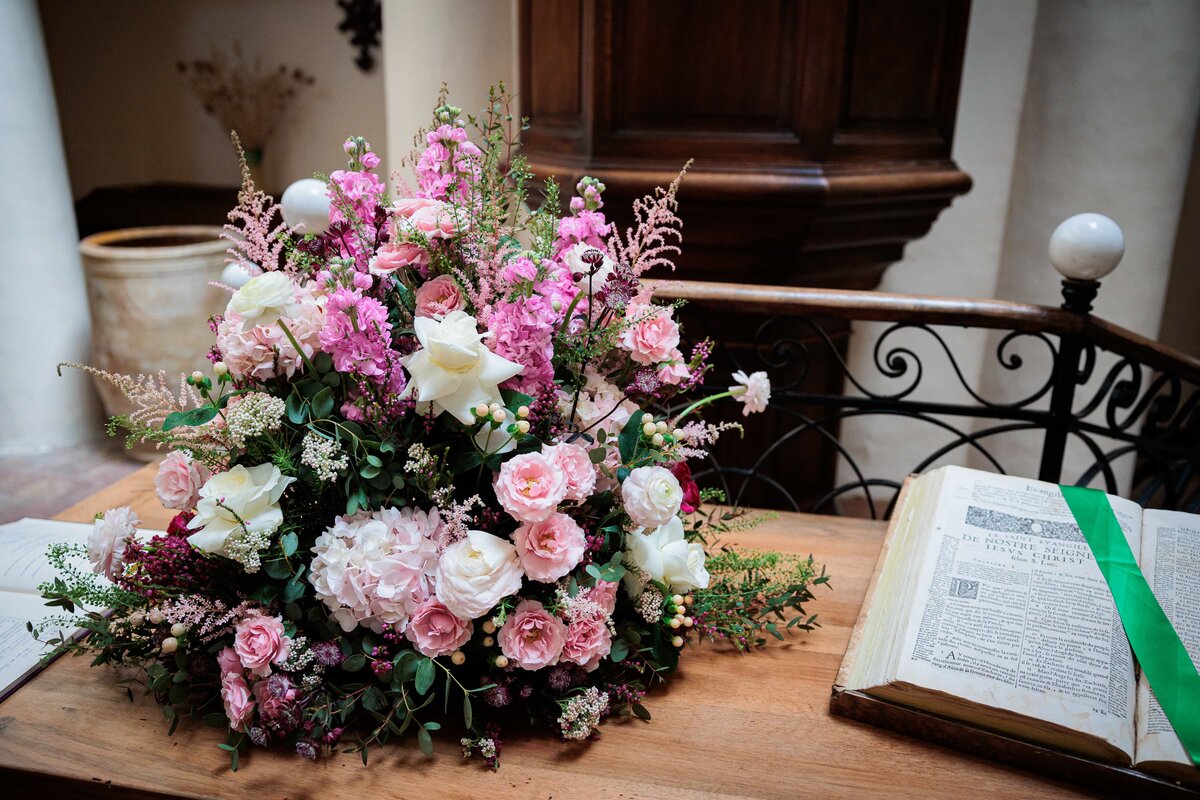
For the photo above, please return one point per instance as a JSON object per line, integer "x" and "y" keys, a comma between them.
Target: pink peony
{"x": 109, "y": 540}
{"x": 228, "y": 661}
{"x": 587, "y": 642}
{"x": 530, "y": 487}
{"x": 603, "y": 594}
{"x": 239, "y": 704}
{"x": 259, "y": 642}
{"x": 435, "y": 631}
{"x": 651, "y": 336}
{"x": 438, "y": 297}
{"x": 573, "y": 460}
{"x": 532, "y": 637}
{"x": 551, "y": 548}
{"x": 179, "y": 480}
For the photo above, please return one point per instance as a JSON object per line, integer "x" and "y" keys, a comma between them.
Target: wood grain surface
{"x": 729, "y": 725}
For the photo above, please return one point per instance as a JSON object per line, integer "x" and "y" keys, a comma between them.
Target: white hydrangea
{"x": 373, "y": 570}
{"x": 257, "y": 413}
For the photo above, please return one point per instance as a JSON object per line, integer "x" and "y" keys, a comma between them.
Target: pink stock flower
{"x": 549, "y": 549}
{"x": 259, "y": 642}
{"x": 532, "y": 637}
{"x": 449, "y": 163}
{"x": 530, "y": 487}
{"x": 435, "y": 631}
{"x": 518, "y": 270}
{"x": 438, "y": 297}
{"x": 179, "y": 480}
{"x": 358, "y": 335}
{"x": 239, "y": 703}
{"x": 587, "y": 642}
{"x": 573, "y": 460}
{"x": 651, "y": 336}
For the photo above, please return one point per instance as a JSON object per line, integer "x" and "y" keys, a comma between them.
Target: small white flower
{"x": 454, "y": 371}
{"x": 753, "y": 391}
{"x": 235, "y": 498}
{"x": 264, "y": 299}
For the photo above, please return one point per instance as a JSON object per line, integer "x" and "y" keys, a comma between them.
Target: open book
{"x": 23, "y": 565}
{"x": 987, "y": 607}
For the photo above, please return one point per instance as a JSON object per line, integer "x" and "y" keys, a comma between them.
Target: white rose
{"x": 264, "y": 299}
{"x": 453, "y": 370}
{"x": 664, "y": 555}
{"x": 108, "y": 540}
{"x": 573, "y": 261}
{"x": 474, "y": 573}
{"x": 652, "y": 496}
{"x": 249, "y": 495}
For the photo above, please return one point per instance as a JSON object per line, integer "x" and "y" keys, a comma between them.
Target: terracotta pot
{"x": 150, "y": 299}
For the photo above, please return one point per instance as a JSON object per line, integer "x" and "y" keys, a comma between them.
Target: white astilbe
{"x": 657, "y": 232}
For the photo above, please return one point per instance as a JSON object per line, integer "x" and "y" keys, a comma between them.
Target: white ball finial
{"x": 305, "y": 206}
{"x": 1086, "y": 247}
{"x": 235, "y": 275}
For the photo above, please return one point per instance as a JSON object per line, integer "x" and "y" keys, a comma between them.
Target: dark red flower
{"x": 179, "y": 524}
{"x": 691, "y": 492}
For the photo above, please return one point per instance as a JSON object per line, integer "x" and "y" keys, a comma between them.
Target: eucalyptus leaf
{"x": 189, "y": 418}
{"x": 425, "y": 675}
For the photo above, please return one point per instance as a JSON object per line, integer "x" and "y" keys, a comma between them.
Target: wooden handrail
{"x": 929, "y": 309}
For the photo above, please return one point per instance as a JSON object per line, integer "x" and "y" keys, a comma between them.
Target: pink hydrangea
{"x": 435, "y": 631}
{"x": 550, "y": 549}
{"x": 264, "y": 352}
{"x": 179, "y": 480}
{"x": 587, "y": 642}
{"x": 532, "y": 637}
{"x": 530, "y": 487}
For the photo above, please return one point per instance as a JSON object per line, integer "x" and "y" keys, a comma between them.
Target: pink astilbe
{"x": 657, "y": 233}
{"x": 256, "y": 243}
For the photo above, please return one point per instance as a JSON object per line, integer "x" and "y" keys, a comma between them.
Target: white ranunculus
{"x": 474, "y": 573}
{"x": 573, "y": 260}
{"x": 454, "y": 370}
{"x": 665, "y": 555}
{"x": 264, "y": 299}
{"x": 652, "y": 496}
{"x": 753, "y": 391}
{"x": 250, "y": 495}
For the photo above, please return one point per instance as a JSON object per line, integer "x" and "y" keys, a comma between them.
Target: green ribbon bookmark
{"x": 1155, "y": 643}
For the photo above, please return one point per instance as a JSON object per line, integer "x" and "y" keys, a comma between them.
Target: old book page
{"x": 1012, "y": 612}
{"x": 1170, "y": 560}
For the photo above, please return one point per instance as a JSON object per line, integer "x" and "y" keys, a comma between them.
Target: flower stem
{"x": 299, "y": 350}
{"x": 705, "y": 401}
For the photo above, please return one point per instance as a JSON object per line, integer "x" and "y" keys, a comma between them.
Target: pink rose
{"x": 588, "y": 641}
{"x": 674, "y": 371}
{"x": 574, "y": 462}
{"x": 551, "y": 548}
{"x": 179, "y": 480}
{"x": 651, "y": 335}
{"x": 228, "y": 661}
{"x": 397, "y": 255}
{"x": 259, "y": 642}
{"x": 434, "y": 631}
{"x": 438, "y": 297}
{"x": 532, "y": 637}
{"x": 431, "y": 218}
{"x": 530, "y": 487}
{"x": 239, "y": 705}
{"x": 603, "y": 594}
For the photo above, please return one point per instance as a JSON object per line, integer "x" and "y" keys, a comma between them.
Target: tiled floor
{"x": 41, "y": 485}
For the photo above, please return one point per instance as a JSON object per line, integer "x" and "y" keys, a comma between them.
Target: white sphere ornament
{"x": 235, "y": 275}
{"x": 1086, "y": 247}
{"x": 305, "y": 206}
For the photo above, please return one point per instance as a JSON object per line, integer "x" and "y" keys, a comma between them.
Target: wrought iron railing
{"x": 1132, "y": 404}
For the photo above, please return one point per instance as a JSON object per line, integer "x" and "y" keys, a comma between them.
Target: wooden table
{"x": 730, "y": 726}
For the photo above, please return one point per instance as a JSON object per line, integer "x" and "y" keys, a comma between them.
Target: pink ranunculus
{"x": 532, "y": 637}
{"x": 530, "y": 487}
{"x": 651, "y": 335}
{"x": 550, "y": 549}
{"x": 587, "y": 642}
{"x": 397, "y": 255}
{"x": 259, "y": 642}
{"x": 228, "y": 661}
{"x": 435, "y": 631}
{"x": 179, "y": 480}
{"x": 438, "y": 297}
{"x": 603, "y": 594}
{"x": 573, "y": 460}
{"x": 239, "y": 703}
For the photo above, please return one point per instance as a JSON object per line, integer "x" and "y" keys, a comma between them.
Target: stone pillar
{"x": 45, "y": 316}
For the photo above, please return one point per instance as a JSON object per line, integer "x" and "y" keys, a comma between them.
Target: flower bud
{"x": 674, "y": 623}
{"x": 170, "y": 645}
{"x": 499, "y": 414}
{"x": 155, "y": 617}
{"x": 661, "y": 426}
{"x": 676, "y": 599}
{"x": 178, "y": 629}
{"x": 648, "y": 429}
{"x": 677, "y": 433}
{"x": 487, "y": 641}
{"x": 488, "y": 626}
{"x": 688, "y": 622}
{"x": 482, "y": 410}
{"x": 501, "y": 662}
{"x": 197, "y": 376}
{"x": 220, "y": 369}
{"x": 137, "y": 619}
{"x": 458, "y": 658}
{"x": 677, "y": 641}
{"x": 523, "y": 426}
{"x": 523, "y": 412}
{"x": 657, "y": 440}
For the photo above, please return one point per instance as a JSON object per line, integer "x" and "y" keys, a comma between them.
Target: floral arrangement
{"x": 435, "y": 466}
